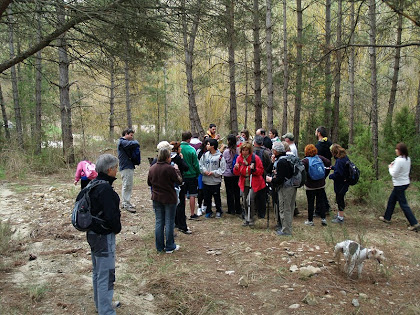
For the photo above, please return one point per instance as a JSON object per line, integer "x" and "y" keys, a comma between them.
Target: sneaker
{"x": 129, "y": 208}
{"x": 281, "y": 233}
{"x": 381, "y": 218}
{"x": 337, "y": 220}
{"x": 209, "y": 215}
{"x": 194, "y": 217}
{"x": 311, "y": 223}
{"x": 177, "y": 247}
{"x": 218, "y": 215}
{"x": 324, "y": 222}
{"x": 415, "y": 227}
{"x": 187, "y": 231}
{"x": 199, "y": 212}
{"x": 116, "y": 304}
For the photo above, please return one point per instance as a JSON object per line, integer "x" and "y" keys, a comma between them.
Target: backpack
{"x": 264, "y": 159}
{"x": 351, "y": 173}
{"x": 299, "y": 173}
{"x": 235, "y": 157}
{"x": 135, "y": 155}
{"x": 316, "y": 168}
{"x": 81, "y": 218}
{"x": 90, "y": 171}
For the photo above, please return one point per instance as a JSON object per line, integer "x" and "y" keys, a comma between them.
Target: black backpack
{"x": 299, "y": 176}
{"x": 81, "y": 217}
{"x": 351, "y": 173}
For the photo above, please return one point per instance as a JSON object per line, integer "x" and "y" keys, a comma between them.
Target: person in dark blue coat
{"x": 340, "y": 185}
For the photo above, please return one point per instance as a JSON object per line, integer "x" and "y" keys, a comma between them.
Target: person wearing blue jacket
{"x": 340, "y": 185}
{"x": 126, "y": 145}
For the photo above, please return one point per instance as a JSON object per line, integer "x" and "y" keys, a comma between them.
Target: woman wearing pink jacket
{"x": 85, "y": 172}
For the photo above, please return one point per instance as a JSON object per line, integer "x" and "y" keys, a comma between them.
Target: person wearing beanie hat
{"x": 286, "y": 196}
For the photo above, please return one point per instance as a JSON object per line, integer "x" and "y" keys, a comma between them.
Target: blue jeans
{"x": 398, "y": 194}
{"x": 165, "y": 221}
{"x": 103, "y": 270}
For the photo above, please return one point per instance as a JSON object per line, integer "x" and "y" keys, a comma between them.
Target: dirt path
{"x": 222, "y": 268}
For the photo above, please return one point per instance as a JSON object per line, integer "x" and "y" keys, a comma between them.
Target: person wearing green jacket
{"x": 190, "y": 176}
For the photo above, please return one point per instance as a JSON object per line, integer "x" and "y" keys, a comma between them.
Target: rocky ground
{"x": 222, "y": 268}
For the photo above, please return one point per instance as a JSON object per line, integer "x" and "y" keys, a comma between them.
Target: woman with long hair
{"x": 340, "y": 185}
{"x": 231, "y": 181}
{"x": 400, "y": 171}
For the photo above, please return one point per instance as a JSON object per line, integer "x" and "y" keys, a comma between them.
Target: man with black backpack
{"x": 104, "y": 202}
{"x": 127, "y": 147}
{"x": 283, "y": 171}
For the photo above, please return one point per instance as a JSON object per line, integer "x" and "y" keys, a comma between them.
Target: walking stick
{"x": 249, "y": 198}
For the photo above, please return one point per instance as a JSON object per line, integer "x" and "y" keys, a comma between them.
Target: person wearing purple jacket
{"x": 233, "y": 195}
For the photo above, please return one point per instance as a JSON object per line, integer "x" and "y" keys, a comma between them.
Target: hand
{"x": 217, "y": 137}
{"x": 268, "y": 179}
{"x": 273, "y": 158}
{"x": 236, "y": 166}
{"x": 252, "y": 166}
{"x": 181, "y": 155}
{"x": 176, "y": 166}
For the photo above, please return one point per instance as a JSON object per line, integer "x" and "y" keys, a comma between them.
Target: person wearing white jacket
{"x": 400, "y": 171}
{"x": 212, "y": 166}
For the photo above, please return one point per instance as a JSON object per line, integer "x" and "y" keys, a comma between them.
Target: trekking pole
{"x": 267, "y": 197}
{"x": 249, "y": 198}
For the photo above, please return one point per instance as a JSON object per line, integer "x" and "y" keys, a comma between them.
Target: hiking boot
{"x": 187, "y": 231}
{"x": 199, "y": 212}
{"x": 129, "y": 208}
{"x": 209, "y": 215}
{"x": 381, "y": 218}
{"x": 218, "y": 215}
{"x": 310, "y": 223}
{"x": 281, "y": 233}
{"x": 414, "y": 227}
{"x": 324, "y": 222}
{"x": 177, "y": 247}
{"x": 116, "y": 304}
{"x": 194, "y": 217}
{"x": 337, "y": 220}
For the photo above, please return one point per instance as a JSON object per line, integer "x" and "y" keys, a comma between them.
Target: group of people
{"x": 194, "y": 169}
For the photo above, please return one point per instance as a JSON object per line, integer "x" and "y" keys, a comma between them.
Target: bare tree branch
{"x": 3, "y": 6}
{"x": 401, "y": 12}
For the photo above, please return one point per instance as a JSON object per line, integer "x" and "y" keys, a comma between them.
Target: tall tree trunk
{"x": 38, "y": 87}
{"x": 4, "y": 115}
{"x": 158, "y": 113}
{"x": 18, "y": 111}
{"x": 112, "y": 100}
{"x": 418, "y": 109}
{"x": 189, "y": 42}
{"x": 299, "y": 67}
{"x": 373, "y": 83}
{"x": 397, "y": 59}
{"x": 257, "y": 66}
{"x": 64, "y": 87}
{"x": 337, "y": 75}
{"x": 127, "y": 94}
{"x": 285, "y": 69}
{"x": 327, "y": 73}
{"x": 246, "y": 88}
{"x": 230, "y": 26}
{"x": 165, "y": 98}
{"x": 351, "y": 75}
{"x": 270, "y": 89}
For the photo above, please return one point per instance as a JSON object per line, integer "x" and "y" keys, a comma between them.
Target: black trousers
{"x": 233, "y": 196}
{"x": 209, "y": 192}
{"x": 260, "y": 202}
{"x": 318, "y": 195}
{"x": 180, "y": 218}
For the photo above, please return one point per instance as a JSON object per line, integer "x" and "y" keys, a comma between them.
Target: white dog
{"x": 355, "y": 255}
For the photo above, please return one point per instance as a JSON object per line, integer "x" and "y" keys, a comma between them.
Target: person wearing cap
{"x": 290, "y": 139}
{"x": 191, "y": 176}
{"x": 126, "y": 145}
{"x": 282, "y": 170}
{"x": 162, "y": 179}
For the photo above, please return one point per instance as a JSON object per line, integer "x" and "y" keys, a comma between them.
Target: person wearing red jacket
{"x": 250, "y": 170}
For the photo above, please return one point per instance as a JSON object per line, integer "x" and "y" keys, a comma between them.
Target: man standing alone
{"x": 126, "y": 145}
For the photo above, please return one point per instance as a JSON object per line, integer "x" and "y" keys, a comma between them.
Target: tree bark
{"x": 112, "y": 100}
{"x": 257, "y": 66}
{"x": 327, "y": 73}
{"x": 64, "y": 87}
{"x": 3, "y": 6}
{"x": 270, "y": 89}
{"x": 18, "y": 111}
{"x": 4, "y": 115}
{"x": 351, "y": 75}
{"x": 285, "y": 69}
{"x": 127, "y": 94}
{"x": 165, "y": 98}
{"x": 337, "y": 79}
{"x": 418, "y": 109}
{"x": 395, "y": 75}
{"x": 299, "y": 69}
{"x": 189, "y": 42}
{"x": 246, "y": 88}
{"x": 230, "y": 26}
{"x": 38, "y": 87}
{"x": 373, "y": 83}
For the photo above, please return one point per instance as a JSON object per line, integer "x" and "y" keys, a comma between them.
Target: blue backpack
{"x": 135, "y": 155}
{"x": 316, "y": 168}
